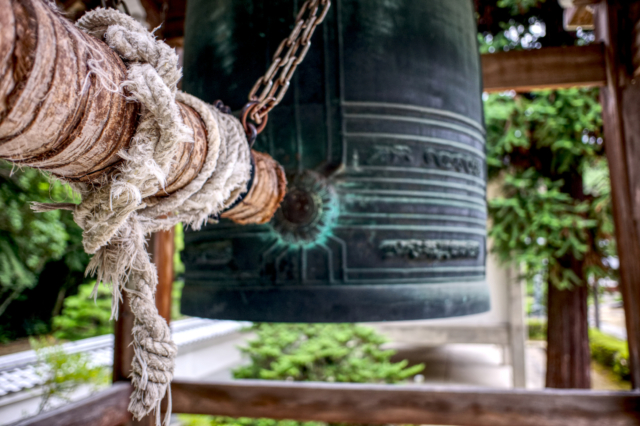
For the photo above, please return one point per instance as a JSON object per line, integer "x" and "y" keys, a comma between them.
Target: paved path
{"x": 473, "y": 365}
{"x": 482, "y": 366}
{"x": 611, "y": 317}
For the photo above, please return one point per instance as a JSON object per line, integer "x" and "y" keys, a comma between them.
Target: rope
{"x": 117, "y": 216}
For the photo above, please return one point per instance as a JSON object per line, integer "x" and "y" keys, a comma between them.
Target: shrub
{"x": 62, "y": 373}
{"x": 83, "y": 316}
{"x": 606, "y": 350}
{"x": 537, "y": 328}
{"x": 610, "y": 352}
{"x": 321, "y": 352}
{"x": 313, "y": 352}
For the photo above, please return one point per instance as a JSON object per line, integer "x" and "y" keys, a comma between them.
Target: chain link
{"x": 267, "y": 92}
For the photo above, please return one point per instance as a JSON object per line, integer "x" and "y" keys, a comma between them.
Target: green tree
{"x": 546, "y": 154}
{"x": 313, "y": 352}
{"x": 539, "y": 145}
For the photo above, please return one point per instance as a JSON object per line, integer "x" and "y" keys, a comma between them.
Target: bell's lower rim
{"x": 339, "y": 303}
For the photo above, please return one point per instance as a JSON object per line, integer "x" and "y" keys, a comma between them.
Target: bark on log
{"x": 60, "y": 110}
{"x": 56, "y": 115}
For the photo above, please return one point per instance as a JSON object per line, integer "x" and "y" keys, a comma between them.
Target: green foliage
{"x": 545, "y": 152}
{"x": 62, "y": 373}
{"x": 83, "y": 316}
{"x": 30, "y": 240}
{"x": 610, "y": 352}
{"x": 539, "y": 146}
{"x": 606, "y": 350}
{"x": 178, "y": 270}
{"x": 27, "y": 239}
{"x": 519, "y": 6}
{"x": 178, "y": 241}
{"x": 539, "y": 223}
{"x": 176, "y": 295}
{"x": 313, "y": 352}
{"x": 537, "y": 328}
{"x": 321, "y": 352}
{"x": 563, "y": 127}
{"x": 523, "y": 33}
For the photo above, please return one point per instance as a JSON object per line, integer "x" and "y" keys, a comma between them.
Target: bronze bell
{"x": 381, "y": 135}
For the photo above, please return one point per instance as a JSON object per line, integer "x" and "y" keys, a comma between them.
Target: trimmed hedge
{"x": 606, "y": 350}
{"x": 537, "y": 328}
{"x": 610, "y": 352}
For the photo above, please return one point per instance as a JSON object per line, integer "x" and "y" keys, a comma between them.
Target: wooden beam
{"x": 393, "y": 404}
{"x": 620, "y": 111}
{"x": 547, "y": 68}
{"x": 578, "y": 17}
{"x": 106, "y": 408}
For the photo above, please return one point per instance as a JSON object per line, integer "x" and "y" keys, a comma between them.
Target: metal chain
{"x": 288, "y": 56}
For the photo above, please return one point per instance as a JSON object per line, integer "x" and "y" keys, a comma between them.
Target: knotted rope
{"x": 117, "y": 215}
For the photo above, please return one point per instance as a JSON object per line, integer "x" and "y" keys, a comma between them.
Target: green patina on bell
{"x": 382, "y": 139}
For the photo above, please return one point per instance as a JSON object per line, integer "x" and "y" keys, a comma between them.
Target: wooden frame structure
{"x": 611, "y": 64}
{"x": 361, "y": 403}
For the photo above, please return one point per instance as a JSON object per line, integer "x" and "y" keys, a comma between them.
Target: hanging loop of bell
{"x": 250, "y": 128}
{"x": 290, "y": 53}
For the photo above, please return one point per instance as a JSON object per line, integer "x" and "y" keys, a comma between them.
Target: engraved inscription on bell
{"x": 431, "y": 249}
{"x": 453, "y": 161}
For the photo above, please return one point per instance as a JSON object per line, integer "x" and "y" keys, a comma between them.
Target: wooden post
{"x": 596, "y": 304}
{"x": 162, "y": 248}
{"x": 122, "y": 349}
{"x": 620, "y": 112}
{"x": 517, "y": 328}
{"x": 168, "y": 16}
{"x": 123, "y": 353}
{"x": 161, "y": 251}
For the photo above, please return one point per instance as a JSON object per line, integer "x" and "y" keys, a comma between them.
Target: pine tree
{"x": 546, "y": 152}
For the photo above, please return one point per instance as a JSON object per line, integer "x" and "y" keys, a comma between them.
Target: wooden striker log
{"x": 61, "y": 111}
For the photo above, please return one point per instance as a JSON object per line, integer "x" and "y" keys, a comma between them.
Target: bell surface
{"x": 381, "y": 135}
